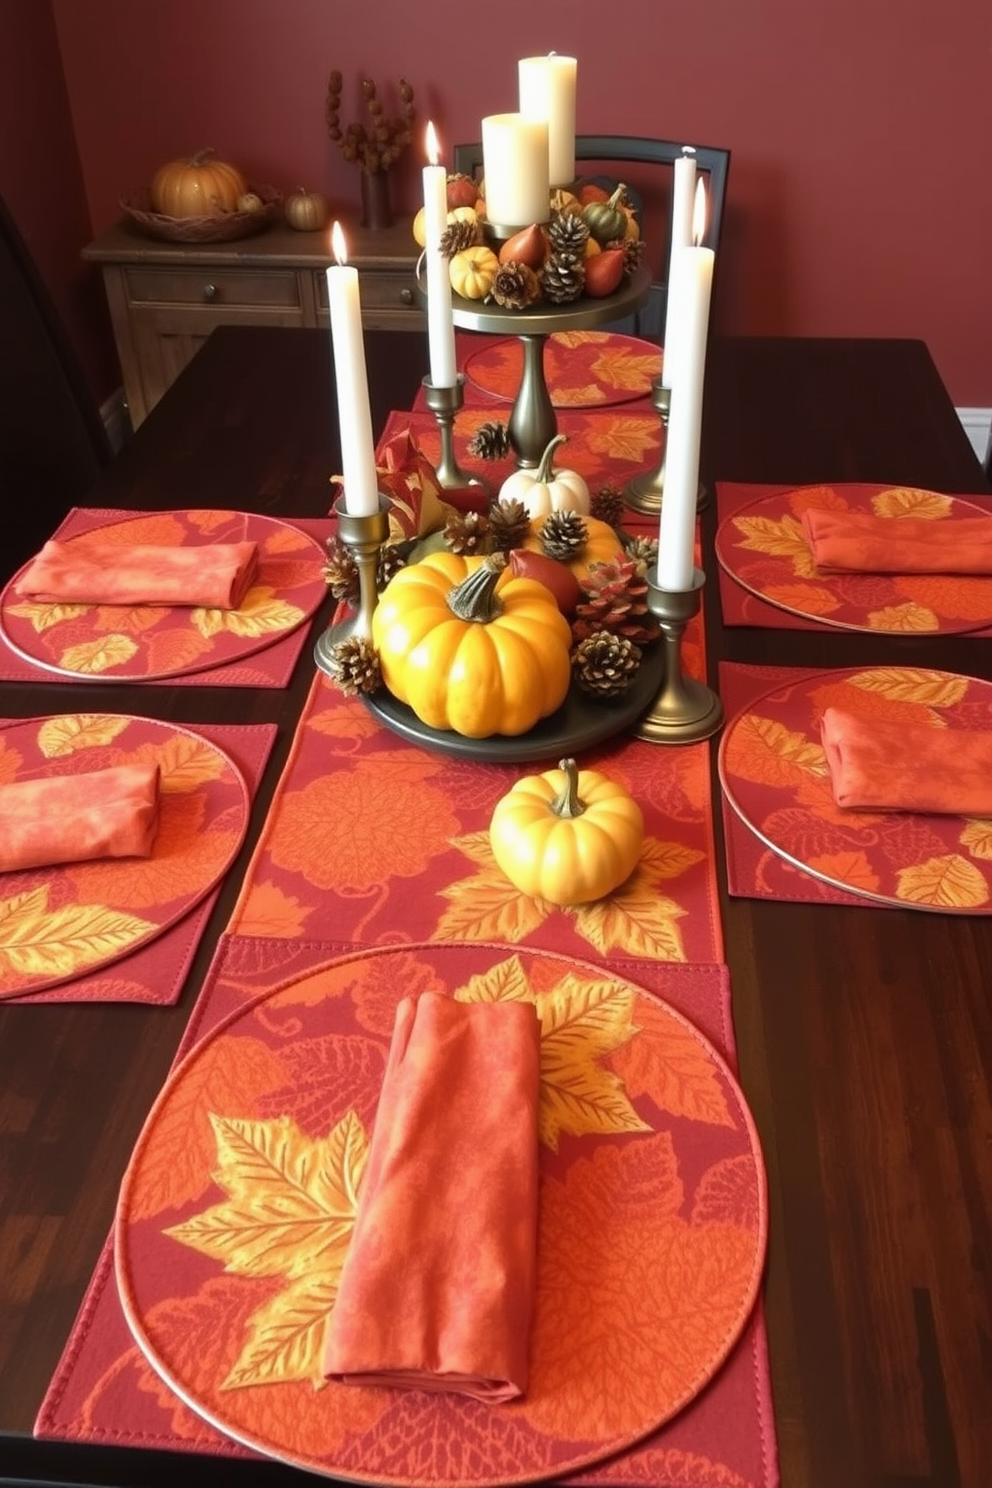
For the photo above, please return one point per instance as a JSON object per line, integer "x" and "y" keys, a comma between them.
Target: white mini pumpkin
{"x": 545, "y": 489}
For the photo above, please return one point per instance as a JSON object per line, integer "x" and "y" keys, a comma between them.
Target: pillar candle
{"x": 683, "y": 191}
{"x": 515, "y": 165}
{"x": 361, "y": 490}
{"x": 440, "y": 323}
{"x": 547, "y": 91}
{"x": 677, "y": 537}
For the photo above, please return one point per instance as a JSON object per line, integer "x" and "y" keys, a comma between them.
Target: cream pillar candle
{"x": 440, "y": 323}
{"x": 361, "y": 489}
{"x": 547, "y": 91}
{"x": 677, "y": 536}
{"x": 683, "y": 192}
{"x": 515, "y": 166}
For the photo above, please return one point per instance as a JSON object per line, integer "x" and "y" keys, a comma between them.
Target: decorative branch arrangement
{"x": 377, "y": 147}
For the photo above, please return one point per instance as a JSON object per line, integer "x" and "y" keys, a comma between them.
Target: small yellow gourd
{"x": 545, "y": 489}
{"x": 472, "y": 271}
{"x": 568, "y": 836}
{"x": 602, "y": 544}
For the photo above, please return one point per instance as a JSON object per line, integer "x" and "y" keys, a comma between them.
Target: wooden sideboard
{"x": 165, "y": 298}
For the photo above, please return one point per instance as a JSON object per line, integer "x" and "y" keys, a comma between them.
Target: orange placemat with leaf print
{"x": 785, "y": 837}
{"x": 582, "y": 369}
{"x": 125, "y": 930}
{"x": 256, "y": 645}
{"x": 371, "y": 839}
{"x": 667, "y": 1146}
{"x": 768, "y": 577}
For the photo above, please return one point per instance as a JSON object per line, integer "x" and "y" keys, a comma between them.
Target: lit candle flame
{"x": 338, "y": 245}
{"x": 433, "y": 150}
{"x": 699, "y": 214}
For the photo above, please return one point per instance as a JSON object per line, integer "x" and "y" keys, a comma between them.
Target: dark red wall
{"x": 860, "y": 196}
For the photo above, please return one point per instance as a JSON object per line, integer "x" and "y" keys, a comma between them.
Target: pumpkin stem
{"x": 544, "y": 471}
{"x": 475, "y": 597}
{"x": 202, "y": 155}
{"x": 618, "y": 197}
{"x": 567, "y": 803}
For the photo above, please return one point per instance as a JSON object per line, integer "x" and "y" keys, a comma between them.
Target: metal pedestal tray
{"x": 533, "y": 422}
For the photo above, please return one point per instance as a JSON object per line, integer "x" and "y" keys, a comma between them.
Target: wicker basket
{"x": 137, "y": 206}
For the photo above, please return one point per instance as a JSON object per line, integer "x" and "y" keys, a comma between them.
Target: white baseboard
{"x": 114, "y": 413}
{"x": 977, "y": 424}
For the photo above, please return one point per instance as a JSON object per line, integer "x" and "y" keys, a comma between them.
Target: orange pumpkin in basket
{"x": 200, "y": 186}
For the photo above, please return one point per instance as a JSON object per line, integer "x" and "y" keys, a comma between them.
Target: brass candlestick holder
{"x": 685, "y": 710}
{"x": 444, "y": 403}
{"x": 363, "y": 537}
{"x": 644, "y": 493}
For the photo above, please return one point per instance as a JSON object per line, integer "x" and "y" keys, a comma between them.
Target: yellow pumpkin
{"x": 569, "y": 836}
{"x": 200, "y": 186}
{"x": 307, "y": 211}
{"x": 602, "y": 544}
{"x": 471, "y": 647}
{"x": 546, "y": 489}
{"x": 472, "y": 271}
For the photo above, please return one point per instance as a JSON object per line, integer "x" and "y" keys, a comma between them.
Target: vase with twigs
{"x": 374, "y": 146}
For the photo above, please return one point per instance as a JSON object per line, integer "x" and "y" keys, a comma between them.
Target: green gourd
{"x": 607, "y": 220}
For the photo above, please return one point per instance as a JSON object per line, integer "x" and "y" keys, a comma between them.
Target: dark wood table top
{"x": 864, "y": 1035}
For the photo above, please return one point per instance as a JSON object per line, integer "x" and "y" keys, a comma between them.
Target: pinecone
{"x": 563, "y": 278}
{"x": 568, "y": 232}
{"x": 391, "y": 560}
{"x": 607, "y": 504}
{"x": 515, "y": 286}
{"x": 564, "y": 535}
{"x": 642, "y": 552}
{"x": 353, "y": 665}
{"x": 340, "y": 570}
{"x": 508, "y": 523}
{"x": 604, "y": 665}
{"x": 633, "y": 253}
{"x": 467, "y": 533}
{"x": 459, "y": 235}
{"x": 614, "y": 598}
{"x": 490, "y": 442}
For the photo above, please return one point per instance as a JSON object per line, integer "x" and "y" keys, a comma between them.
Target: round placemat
{"x": 775, "y": 777}
{"x": 652, "y": 1225}
{"x": 59, "y": 922}
{"x": 144, "y": 643}
{"x": 762, "y": 547}
{"x": 582, "y": 369}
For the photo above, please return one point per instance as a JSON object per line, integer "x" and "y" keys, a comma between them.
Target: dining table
{"x": 861, "y": 1027}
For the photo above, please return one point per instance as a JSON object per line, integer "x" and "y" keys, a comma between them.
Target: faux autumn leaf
{"x": 907, "y": 501}
{"x": 912, "y": 685}
{"x": 947, "y": 882}
{"x": 765, "y": 752}
{"x": 912, "y": 618}
{"x": 673, "y": 1067}
{"x": 261, "y": 613}
{"x": 289, "y": 1213}
{"x": 93, "y": 657}
{"x": 43, "y": 616}
{"x": 64, "y": 735}
{"x": 38, "y": 941}
{"x": 779, "y": 538}
{"x": 581, "y": 1022}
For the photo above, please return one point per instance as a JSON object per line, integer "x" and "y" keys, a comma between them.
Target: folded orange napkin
{"x": 437, "y": 1287}
{"x": 859, "y": 542}
{"x": 109, "y": 813}
{"x": 214, "y": 575}
{"x": 877, "y": 765}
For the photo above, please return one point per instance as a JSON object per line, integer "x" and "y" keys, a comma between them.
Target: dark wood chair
{"x": 52, "y": 440}
{"x": 602, "y": 153}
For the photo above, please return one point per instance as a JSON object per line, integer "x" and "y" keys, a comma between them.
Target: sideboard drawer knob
{"x": 406, "y": 295}
{"x": 210, "y": 291}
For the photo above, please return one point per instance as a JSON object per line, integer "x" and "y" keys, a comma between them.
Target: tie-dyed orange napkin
{"x": 859, "y": 542}
{"x": 110, "y": 813}
{"x": 879, "y": 765}
{"x": 437, "y": 1288}
{"x": 212, "y": 575}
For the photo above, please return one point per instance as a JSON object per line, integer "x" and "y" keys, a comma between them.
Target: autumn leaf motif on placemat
{"x": 946, "y": 882}
{"x": 782, "y": 538}
{"x": 907, "y": 501}
{"x": 636, "y": 918}
{"x": 186, "y": 761}
{"x": 42, "y": 616}
{"x": 617, "y": 367}
{"x": 261, "y": 612}
{"x": 289, "y": 1213}
{"x": 65, "y": 734}
{"x": 622, "y": 438}
{"x": 92, "y": 657}
{"x": 765, "y": 752}
{"x": 912, "y": 685}
{"x": 976, "y": 836}
{"x": 38, "y": 941}
{"x": 582, "y": 1021}
{"x": 909, "y": 617}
